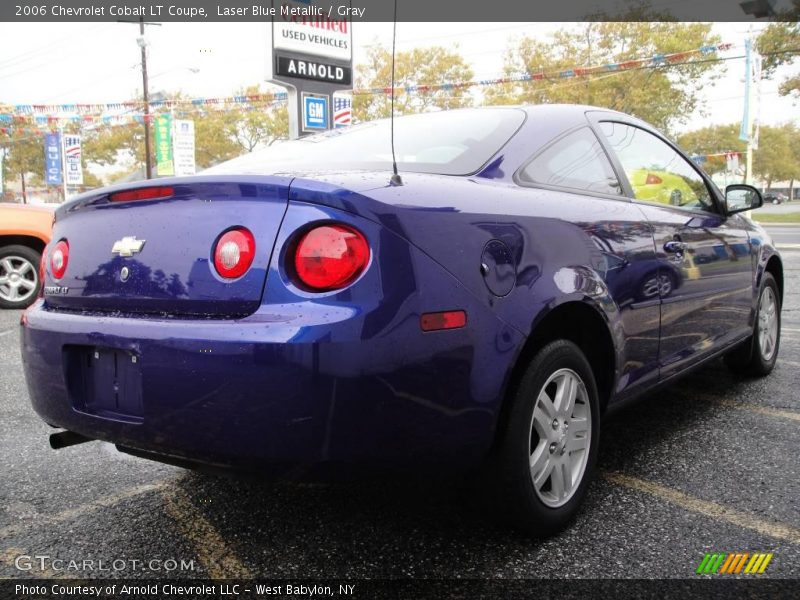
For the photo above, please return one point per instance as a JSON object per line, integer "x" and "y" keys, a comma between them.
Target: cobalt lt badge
{"x": 127, "y": 246}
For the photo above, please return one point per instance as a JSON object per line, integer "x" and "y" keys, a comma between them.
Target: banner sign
{"x": 163, "y": 134}
{"x": 52, "y": 159}
{"x": 301, "y": 26}
{"x": 749, "y": 130}
{"x": 73, "y": 170}
{"x": 183, "y": 147}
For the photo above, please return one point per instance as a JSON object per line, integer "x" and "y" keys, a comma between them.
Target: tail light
{"x": 330, "y": 257}
{"x": 652, "y": 179}
{"x": 234, "y": 253}
{"x": 147, "y": 193}
{"x": 59, "y": 258}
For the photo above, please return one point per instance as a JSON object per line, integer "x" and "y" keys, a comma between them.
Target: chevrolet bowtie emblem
{"x": 127, "y": 246}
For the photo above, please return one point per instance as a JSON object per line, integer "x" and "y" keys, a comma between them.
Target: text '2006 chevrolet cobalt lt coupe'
{"x": 301, "y": 306}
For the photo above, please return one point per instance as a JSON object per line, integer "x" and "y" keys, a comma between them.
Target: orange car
{"x": 24, "y": 232}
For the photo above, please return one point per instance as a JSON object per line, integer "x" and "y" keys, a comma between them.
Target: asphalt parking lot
{"x": 709, "y": 464}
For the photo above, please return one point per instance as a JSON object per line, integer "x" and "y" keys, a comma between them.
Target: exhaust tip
{"x": 63, "y": 439}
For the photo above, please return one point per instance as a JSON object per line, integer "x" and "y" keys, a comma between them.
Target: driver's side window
{"x": 656, "y": 172}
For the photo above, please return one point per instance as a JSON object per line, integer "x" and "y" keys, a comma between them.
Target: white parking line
{"x": 773, "y": 529}
{"x": 2, "y": 333}
{"x": 788, "y": 246}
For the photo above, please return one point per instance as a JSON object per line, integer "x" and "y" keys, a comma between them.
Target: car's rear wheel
{"x": 548, "y": 453}
{"x": 757, "y": 355}
{"x": 19, "y": 276}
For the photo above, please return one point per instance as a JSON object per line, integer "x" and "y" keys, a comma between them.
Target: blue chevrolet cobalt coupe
{"x": 300, "y": 307}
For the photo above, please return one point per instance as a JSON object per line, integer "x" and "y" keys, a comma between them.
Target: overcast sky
{"x": 99, "y": 62}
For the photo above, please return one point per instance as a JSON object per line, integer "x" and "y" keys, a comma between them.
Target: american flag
{"x": 341, "y": 111}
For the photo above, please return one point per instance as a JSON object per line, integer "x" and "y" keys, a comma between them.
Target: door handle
{"x": 674, "y": 247}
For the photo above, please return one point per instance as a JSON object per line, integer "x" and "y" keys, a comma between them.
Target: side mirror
{"x": 740, "y": 197}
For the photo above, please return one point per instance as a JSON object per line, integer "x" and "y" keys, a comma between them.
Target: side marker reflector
{"x": 451, "y": 319}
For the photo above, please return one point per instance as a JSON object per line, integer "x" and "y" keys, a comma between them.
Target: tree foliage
{"x": 779, "y": 43}
{"x": 662, "y": 95}
{"x": 418, "y": 67}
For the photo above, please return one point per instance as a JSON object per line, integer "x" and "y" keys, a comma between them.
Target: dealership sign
{"x": 73, "y": 170}
{"x": 163, "y": 135}
{"x": 309, "y": 28}
{"x": 312, "y": 57}
{"x": 52, "y": 159}
{"x": 183, "y": 147}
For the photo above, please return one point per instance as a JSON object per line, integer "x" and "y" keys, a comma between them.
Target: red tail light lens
{"x": 234, "y": 253}
{"x": 330, "y": 257}
{"x": 59, "y": 258}
{"x": 148, "y": 193}
{"x": 652, "y": 179}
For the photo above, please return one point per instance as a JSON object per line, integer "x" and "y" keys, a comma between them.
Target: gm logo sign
{"x": 315, "y": 112}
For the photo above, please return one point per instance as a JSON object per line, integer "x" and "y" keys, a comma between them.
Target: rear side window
{"x": 575, "y": 161}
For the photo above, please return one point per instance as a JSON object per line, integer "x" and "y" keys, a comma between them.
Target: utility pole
{"x": 142, "y": 41}
{"x": 143, "y": 45}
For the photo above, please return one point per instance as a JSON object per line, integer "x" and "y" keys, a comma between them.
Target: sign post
{"x": 312, "y": 57}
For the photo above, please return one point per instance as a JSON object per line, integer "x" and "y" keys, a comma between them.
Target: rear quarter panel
{"x": 558, "y": 242}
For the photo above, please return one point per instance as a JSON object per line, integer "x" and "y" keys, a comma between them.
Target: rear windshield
{"x": 457, "y": 142}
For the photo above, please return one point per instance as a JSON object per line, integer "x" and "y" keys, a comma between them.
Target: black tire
{"x": 750, "y": 358}
{"x": 519, "y": 502}
{"x": 18, "y": 255}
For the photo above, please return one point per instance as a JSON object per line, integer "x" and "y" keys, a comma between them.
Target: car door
{"x": 705, "y": 270}
{"x": 583, "y": 190}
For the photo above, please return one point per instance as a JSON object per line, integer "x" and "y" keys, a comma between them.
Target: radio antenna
{"x": 395, "y": 179}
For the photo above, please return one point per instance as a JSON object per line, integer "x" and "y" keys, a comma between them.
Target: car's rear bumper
{"x": 288, "y": 384}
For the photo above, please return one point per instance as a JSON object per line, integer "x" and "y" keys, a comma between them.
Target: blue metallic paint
{"x": 348, "y": 375}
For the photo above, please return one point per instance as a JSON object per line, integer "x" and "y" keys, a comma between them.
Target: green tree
{"x": 419, "y": 67}
{"x": 777, "y": 157}
{"x": 256, "y": 125}
{"x": 780, "y": 45}
{"x": 24, "y": 157}
{"x": 663, "y": 95}
{"x": 220, "y": 134}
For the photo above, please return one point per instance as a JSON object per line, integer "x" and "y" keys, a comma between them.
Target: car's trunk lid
{"x": 156, "y": 256}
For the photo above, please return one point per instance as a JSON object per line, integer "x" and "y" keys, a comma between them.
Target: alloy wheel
{"x": 560, "y": 436}
{"x": 767, "y": 324}
{"x": 18, "y": 279}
